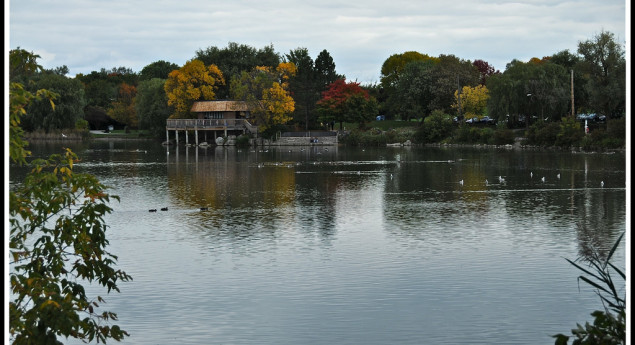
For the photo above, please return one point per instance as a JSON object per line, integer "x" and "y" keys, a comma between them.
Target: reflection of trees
{"x": 219, "y": 179}
{"x": 252, "y": 192}
{"x": 427, "y": 193}
{"x": 317, "y": 202}
{"x": 600, "y": 221}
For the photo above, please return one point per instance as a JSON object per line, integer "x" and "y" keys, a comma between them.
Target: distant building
{"x": 214, "y": 117}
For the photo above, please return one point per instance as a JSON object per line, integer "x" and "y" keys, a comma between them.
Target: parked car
{"x": 380, "y": 118}
{"x": 587, "y": 117}
{"x": 472, "y": 120}
{"x": 488, "y": 120}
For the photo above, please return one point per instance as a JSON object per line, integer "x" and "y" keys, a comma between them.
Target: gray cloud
{"x": 87, "y": 35}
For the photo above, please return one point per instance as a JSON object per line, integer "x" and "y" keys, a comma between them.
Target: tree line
{"x": 295, "y": 91}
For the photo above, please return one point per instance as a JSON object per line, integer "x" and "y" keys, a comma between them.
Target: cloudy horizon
{"x": 87, "y": 35}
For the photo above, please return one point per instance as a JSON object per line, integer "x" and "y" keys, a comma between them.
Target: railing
{"x": 210, "y": 124}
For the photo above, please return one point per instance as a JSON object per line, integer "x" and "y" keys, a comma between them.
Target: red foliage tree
{"x": 338, "y": 92}
{"x": 485, "y": 70}
{"x": 333, "y": 106}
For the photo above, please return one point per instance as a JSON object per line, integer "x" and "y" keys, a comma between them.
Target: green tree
{"x": 604, "y": 63}
{"x": 393, "y": 66}
{"x": 152, "y": 106}
{"x": 449, "y": 74}
{"x": 22, "y": 64}
{"x": 570, "y": 62}
{"x": 325, "y": 70}
{"x": 158, "y": 69}
{"x": 412, "y": 93}
{"x": 308, "y": 83}
{"x": 303, "y": 86}
{"x": 549, "y": 91}
{"x": 57, "y": 242}
{"x": 507, "y": 101}
{"x": 99, "y": 92}
{"x": 235, "y": 59}
{"x": 69, "y": 105}
{"x": 525, "y": 90}
{"x": 360, "y": 109}
{"x": 102, "y": 86}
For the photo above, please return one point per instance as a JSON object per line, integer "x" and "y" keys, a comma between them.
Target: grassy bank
{"x": 565, "y": 134}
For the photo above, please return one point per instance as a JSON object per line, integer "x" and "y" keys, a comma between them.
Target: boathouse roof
{"x": 205, "y": 106}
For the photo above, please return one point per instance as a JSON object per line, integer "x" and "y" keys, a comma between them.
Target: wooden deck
{"x": 225, "y": 126}
{"x": 206, "y": 124}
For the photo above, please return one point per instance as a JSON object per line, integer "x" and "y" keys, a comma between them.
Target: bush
{"x": 503, "y": 136}
{"x": 82, "y": 124}
{"x": 435, "y": 128}
{"x": 242, "y": 141}
{"x": 613, "y": 137}
{"x": 543, "y": 134}
{"x": 570, "y": 134}
{"x": 616, "y": 133}
{"x": 468, "y": 135}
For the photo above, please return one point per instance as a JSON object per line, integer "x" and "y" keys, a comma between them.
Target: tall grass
{"x": 609, "y": 325}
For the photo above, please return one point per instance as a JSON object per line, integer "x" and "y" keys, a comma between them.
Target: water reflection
{"x": 373, "y": 246}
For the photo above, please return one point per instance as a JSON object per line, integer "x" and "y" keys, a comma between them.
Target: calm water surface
{"x": 351, "y": 245}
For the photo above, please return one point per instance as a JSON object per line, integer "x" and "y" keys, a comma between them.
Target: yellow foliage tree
{"x": 266, "y": 91}
{"x": 473, "y": 100}
{"x": 192, "y": 82}
{"x": 278, "y": 103}
{"x": 123, "y": 109}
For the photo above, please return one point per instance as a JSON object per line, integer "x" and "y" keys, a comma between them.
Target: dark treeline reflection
{"x": 424, "y": 192}
{"x": 259, "y": 189}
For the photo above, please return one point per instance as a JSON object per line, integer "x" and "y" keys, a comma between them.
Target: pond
{"x": 350, "y": 245}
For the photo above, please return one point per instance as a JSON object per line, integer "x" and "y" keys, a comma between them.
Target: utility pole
{"x": 458, "y": 92}
{"x": 572, "y": 103}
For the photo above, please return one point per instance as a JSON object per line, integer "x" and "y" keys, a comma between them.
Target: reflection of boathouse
{"x": 214, "y": 118}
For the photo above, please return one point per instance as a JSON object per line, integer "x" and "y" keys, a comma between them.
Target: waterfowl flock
{"x": 502, "y": 180}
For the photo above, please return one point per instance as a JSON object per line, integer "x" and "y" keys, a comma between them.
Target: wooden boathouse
{"x": 214, "y": 118}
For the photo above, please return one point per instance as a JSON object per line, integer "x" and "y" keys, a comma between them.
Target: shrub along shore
{"x": 609, "y": 136}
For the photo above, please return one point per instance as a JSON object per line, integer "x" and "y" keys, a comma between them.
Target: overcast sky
{"x": 87, "y": 35}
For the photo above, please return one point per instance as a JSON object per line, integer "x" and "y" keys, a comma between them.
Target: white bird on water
{"x": 531, "y": 174}
{"x": 558, "y": 175}
{"x": 64, "y": 135}
{"x": 461, "y": 182}
{"x": 602, "y": 184}
{"x": 501, "y": 179}
{"x": 542, "y": 179}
